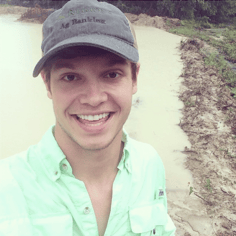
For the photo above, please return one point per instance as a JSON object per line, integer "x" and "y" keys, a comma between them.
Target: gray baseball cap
{"x": 88, "y": 23}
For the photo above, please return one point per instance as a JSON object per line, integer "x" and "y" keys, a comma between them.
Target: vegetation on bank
{"x": 209, "y": 122}
{"x": 216, "y": 11}
{"x": 220, "y": 36}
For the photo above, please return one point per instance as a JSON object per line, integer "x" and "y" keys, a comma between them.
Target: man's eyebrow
{"x": 61, "y": 65}
{"x": 114, "y": 62}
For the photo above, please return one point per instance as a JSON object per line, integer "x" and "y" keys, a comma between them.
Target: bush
{"x": 36, "y": 13}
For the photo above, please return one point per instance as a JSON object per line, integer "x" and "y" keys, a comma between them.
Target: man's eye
{"x": 113, "y": 75}
{"x": 70, "y": 77}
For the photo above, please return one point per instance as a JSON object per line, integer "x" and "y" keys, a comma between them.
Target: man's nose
{"x": 93, "y": 94}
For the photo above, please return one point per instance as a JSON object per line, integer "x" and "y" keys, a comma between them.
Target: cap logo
{"x": 80, "y": 21}
{"x": 85, "y": 10}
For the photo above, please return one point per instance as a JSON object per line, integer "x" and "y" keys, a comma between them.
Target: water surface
{"x": 26, "y": 112}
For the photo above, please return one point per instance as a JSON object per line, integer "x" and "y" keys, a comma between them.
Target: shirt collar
{"x": 125, "y": 159}
{"x": 52, "y": 156}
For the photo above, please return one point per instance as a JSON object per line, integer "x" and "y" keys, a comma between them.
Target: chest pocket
{"x": 146, "y": 218}
{"x": 56, "y": 225}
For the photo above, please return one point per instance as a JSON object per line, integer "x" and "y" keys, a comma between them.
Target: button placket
{"x": 56, "y": 174}
{"x": 64, "y": 167}
{"x": 86, "y": 210}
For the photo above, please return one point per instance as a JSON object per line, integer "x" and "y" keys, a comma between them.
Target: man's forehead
{"x": 108, "y": 59}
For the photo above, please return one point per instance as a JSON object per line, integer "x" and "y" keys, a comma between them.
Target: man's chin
{"x": 94, "y": 146}
{"x": 90, "y": 143}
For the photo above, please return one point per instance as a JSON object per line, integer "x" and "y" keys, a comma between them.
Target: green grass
{"x": 229, "y": 48}
{"x": 199, "y": 29}
{"x": 183, "y": 30}
{"x": 189, "y": 103}
{"x": 210, "y": 33}
{"x": 228, "y": 153}
{"x": 191, "y": 190}
{"x": 208, "y": 185}
{"x": 224, "y": 69}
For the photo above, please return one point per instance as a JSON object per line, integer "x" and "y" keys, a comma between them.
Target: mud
{"x": 209, "y": 121}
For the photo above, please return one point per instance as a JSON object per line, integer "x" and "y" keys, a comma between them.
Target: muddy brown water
{"x": 26, "y": 112}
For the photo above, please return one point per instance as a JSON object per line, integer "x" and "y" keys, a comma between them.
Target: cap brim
{"x": 105, "y": 42}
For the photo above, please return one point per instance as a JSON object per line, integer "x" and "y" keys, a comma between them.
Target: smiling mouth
{"x": 93, "y": 120}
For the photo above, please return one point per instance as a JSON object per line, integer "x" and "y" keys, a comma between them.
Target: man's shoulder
{"x": 14, "y": 160}
{"x": 144, "y": 155}
{"x": 8, "y": 184}
{"x": 10, "y": 162}
{"x": 18, "y": 163}
{"x": 12, "y": 202}
{"x": 145, "y": 161}
{"x": 13, "y": 170}
{"x": 143, "y": 149}
{"x": 5, "y": 163}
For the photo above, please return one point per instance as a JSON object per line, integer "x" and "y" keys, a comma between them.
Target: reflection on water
{"x": 26, "y": 112}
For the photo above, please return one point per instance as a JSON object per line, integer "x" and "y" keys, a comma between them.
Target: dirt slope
{"x": 209, "y": 121}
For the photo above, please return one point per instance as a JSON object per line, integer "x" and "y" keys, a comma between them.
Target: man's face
{"x": 92, "y": 98}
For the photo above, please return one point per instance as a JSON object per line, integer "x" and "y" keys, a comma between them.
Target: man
{"x": 86, "y": 176}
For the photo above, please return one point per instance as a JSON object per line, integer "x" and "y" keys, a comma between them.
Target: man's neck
{"x": 93, "y": 166}
{"x": 97, "y": 167}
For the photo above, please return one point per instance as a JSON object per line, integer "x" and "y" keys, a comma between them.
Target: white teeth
{"x": 92, "y": 118}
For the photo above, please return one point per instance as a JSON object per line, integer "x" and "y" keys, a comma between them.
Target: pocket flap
{"x": 56, "y": 225}
{"x": 146, "y": 218}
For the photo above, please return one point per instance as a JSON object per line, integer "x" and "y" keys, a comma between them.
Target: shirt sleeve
{"x": 13, "y": 210}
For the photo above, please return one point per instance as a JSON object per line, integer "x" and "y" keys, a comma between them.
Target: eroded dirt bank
{"x": 38, "y": 15}
{"x": 209, "y": 120}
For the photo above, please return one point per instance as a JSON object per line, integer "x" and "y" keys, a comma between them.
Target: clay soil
{"x": 209, "y": 121}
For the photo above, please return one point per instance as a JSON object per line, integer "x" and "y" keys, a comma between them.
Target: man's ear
{"x": 47, "y": 85}
{"x": 135, "y": 82}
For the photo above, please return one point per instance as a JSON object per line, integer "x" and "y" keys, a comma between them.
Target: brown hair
{"x": 73, "y": 52}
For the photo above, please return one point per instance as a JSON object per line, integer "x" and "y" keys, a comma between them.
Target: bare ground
{"x": 209, "y": 120}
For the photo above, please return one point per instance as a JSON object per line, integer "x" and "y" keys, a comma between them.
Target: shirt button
{"x": 64, "y": 167}
{"x": 56, "y": 172}
{"x": 86, "y": 210}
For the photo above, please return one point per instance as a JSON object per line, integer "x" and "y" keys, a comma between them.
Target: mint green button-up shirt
{"x": 39, "y": 195}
